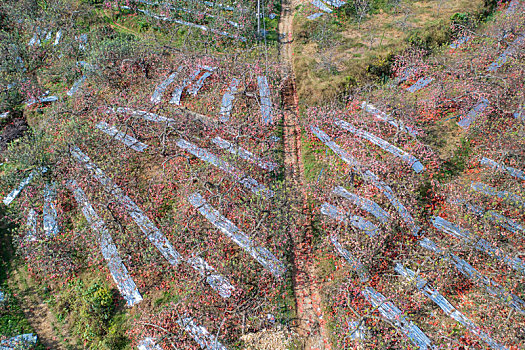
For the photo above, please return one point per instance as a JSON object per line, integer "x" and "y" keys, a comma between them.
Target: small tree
{"x": 361, "y": 10}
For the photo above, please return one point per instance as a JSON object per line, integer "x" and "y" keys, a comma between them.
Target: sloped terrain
{"x": 174, "y": 190}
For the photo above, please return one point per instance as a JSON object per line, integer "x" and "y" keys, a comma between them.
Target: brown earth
{"x": 37, "y": 312}
{"x": 12, "y": 131}
{"x": 310, "y": 325}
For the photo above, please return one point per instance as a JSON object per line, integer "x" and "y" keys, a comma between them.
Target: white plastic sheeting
{"x": 146, "y": 225}
{"x": 410, "y": 159}
{"x": 189, "y": 24}
{"x": 118, "y": 270}
{"x": 164, "y": 18}
{"x": 479, "y": 243}
{"x": 148, "y": 344}
{"x": 505, "y": 195}
{"x": 389, "y": 193}
{"x": 368, "y": 176}
{"x": 266, "y": 101}
{"x": 128, "y": 140}
{"x": 445, "y": 305}
{"x": 492, "y": 215}
{"x": 46, "y": 35}
{"x": 392, "y": 313}
{"x": 347, "y": 158}
{"x": 14, "y": 193}
{"x": 215, "y": 280}
{"x": 315, "y": 15}
{"x": 356, "y": 221}
{"x": 195, "y": 12}
{"x": 195, "y": 88}
{"x": 151, "y": 117}
{"x": 363, "y": 203}
{"x": 227, "y": 100}
{"x": 358, "y": 330}
{"x": 387, "y": 118}
{"x": 2, "y": 297}
{"x": 200, "y": 334}
{"x": 19, "y": 64}
{"x": 216, "y": 4}
{"x": 90, "y": 68}
{"x": 19, "y": 342}
{"x": 76, "y": 85}
{"x": 238, "y": 175}
{"x": 473, "y": 113}
{"x": 520, "y": 113}
{"x": 421, "y": 83}
{"x": 159, "y": 90}
{"x": 31, "y": 225}
{"x": 498, "y": 166}
{"x": 459, "y": 42}
{"x": 492, "y": 287}
{"x": 58, "y": 37}
{"x": 228, "y": 35}
{"x": 335, "y": 3}
{"x": 502, "y": 59}
{"x": 35, "y": 40}
{"x": 43, "y": 99}
{"x": 50, "y": 211}
{"x": 244, "y": 154}
{"x": 405, "y": 74}
{"x": 261, "y": 254}
{"x": 513, "y": 6}
{"x": 177, "y": 93}
{"x": 354, "y": 262}
{"x": 82, "y": 41}
{"x": 504, "y": 221}
{"x": 321, "y": 6}
{"x": 467, "y": 270}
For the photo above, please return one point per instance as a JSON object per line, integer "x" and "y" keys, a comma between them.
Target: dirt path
{"x": 37, "y": 313}
{"x": 311, "y": 324}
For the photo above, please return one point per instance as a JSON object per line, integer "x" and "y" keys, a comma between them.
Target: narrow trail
{"x": 311, "y": 323}
{"x": 38, "y": 314}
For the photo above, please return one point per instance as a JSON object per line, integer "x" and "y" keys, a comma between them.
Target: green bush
{"x": 457, "y": 163}
{"x": 12, "y": 320}
{"x": 381, "y": 67}
{"x": 93, "y": 2}
{"x": 143, "y": 25}
{"x": 347, "y": 11}
{"x": 100, "y": 300}
{"x": 93, "y": 314}
{"x": 431, "y": 36}
{"x": 119, "y": 46}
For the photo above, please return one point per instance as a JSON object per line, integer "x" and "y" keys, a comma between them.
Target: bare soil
{"x": 311, "y": 325}
{"x": 37, "y": 312}
{"x": 12, "y": 131}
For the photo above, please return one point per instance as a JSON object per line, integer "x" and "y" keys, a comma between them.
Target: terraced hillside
{"x": 172, "y": 178}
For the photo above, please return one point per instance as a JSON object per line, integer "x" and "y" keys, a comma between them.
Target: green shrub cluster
{"x": 348, "y": 11}
{"x": 94, "y": 315}
{"x": 12, "y": 319}
{"x": 93, "y": 2}
{"x": 431, "y": 36}
{"x": 457, "y": 163}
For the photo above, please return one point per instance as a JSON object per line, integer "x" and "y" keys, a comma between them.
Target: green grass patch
{"x": 95, "y": 313}
{"x": 313, "y": 167}
{"x": 12, "y": 318}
